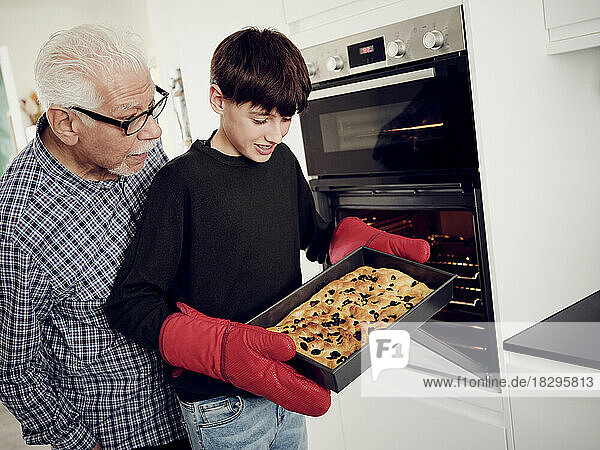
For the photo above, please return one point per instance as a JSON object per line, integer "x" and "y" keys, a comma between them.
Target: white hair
{"x": 72, "y": 61}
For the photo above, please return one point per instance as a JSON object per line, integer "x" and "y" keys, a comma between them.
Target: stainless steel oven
{"x": 389, "y": 137}
{"x": 374, "y": 109}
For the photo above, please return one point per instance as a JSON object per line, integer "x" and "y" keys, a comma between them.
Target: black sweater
{"x": 222, "y": 234}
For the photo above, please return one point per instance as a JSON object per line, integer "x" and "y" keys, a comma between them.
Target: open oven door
{"x": 460, "y": 340}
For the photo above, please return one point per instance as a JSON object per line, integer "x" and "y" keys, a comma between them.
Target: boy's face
{"x": 250, "y": 131}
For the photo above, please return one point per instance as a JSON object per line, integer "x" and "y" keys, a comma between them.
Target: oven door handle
{"x": 399, "y": 78}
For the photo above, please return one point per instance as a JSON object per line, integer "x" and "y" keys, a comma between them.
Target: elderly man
{"x": 69, "y": 204}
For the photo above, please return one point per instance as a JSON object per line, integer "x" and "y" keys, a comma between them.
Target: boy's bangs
{"x": 276, "y": 90}
{"x": 263, "y": 68}
{"x": 285, "y": 99}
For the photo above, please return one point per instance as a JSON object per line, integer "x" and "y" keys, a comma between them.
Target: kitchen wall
{"x": 26, "y": 24}
{"x": 194, "y": 32}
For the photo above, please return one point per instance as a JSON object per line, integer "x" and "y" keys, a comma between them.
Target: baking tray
{"x": 337, "y": 379}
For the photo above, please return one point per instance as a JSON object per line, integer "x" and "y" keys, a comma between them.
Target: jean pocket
{"x": 189, "y": 407}
{"x": 219, "y": 412}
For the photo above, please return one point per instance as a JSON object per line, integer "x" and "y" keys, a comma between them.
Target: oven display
{"x": 366, "y": 52}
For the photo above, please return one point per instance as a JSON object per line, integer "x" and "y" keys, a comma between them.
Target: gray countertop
{"x": 571, "y": 335}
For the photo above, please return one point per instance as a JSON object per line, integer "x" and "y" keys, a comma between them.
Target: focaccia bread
{"x": 327, "y": 327}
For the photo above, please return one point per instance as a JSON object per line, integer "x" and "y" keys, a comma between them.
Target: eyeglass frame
{"x": 124, "y": 124}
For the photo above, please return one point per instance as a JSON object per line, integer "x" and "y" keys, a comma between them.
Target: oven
{"x": 389, "y": 137}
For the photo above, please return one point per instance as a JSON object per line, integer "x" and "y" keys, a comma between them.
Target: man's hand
{"x": 97, "y": 447}
{"x": 249, "y": 357}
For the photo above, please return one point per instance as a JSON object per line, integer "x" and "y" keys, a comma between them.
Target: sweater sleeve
{"x": 315, "y": 232}
{"x": 137, "y": 305}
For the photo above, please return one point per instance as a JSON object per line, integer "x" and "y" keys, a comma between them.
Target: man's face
{"x": 105, "y": 146}
{"x": 252, "y": 131}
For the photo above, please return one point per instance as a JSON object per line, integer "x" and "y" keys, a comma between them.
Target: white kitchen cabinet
{"x": 318, "y": 12}
{"x": 572, "y": 25}
{"x": 416, "y": 423}
{"x": 552, "y": 423}
{"x": 313, "y": 22}
{"x": 325, "y": 432}
{"x": 295, "y": 10}
{"x": 392, "y": 421}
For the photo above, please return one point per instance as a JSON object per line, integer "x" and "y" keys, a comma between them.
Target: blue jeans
{"x": 243, "y": 423}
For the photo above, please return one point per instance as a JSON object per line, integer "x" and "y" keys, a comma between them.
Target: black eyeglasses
{"x": 134, "y": 124}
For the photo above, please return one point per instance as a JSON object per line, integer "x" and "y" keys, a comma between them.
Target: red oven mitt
{"x": 352, "y": 233}
{"x": 249, "y": 357}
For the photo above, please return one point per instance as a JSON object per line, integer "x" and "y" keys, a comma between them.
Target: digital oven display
{"x": 366, "y": 52}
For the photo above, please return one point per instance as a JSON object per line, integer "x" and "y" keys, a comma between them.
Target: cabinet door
{"x": 295, "y": 10}
{"x": 417, "y": 423}
{"x": 325, "y": 432}
{"x": 572, "y": 25}
{"x": 389, "y": 414}
{"x": 552, "y": 422}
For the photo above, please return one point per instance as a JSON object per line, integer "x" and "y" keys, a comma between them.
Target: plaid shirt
{"x": 67, "y": 377}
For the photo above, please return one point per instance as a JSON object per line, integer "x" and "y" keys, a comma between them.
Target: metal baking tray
{"x": 337, "y": 379}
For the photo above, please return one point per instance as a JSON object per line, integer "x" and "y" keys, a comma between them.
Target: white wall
{"x": 194, "y": 32}
{"x": 26, "y": 24}
{"x": 538, "y": 120}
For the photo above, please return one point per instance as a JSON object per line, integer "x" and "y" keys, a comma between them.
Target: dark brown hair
{"x": 262, "y": 67}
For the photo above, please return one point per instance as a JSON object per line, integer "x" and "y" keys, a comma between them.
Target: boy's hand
{"x": 352, "y": 233}
{"x": 249, "y": 357}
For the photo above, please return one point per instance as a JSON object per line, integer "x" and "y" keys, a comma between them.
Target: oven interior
{"x": 464, "y": 324}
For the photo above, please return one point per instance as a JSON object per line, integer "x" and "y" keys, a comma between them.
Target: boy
{"x": 221, "y": 234}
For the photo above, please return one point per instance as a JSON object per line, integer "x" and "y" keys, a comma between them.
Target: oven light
{"x": 467, "y": 288}
{"x": 418, "y": 127}
{"x": 452, "y": 263}
{"x": 433, "y": 237}
{"x": 458, "y": 302}
{"x": 472, "y": 347}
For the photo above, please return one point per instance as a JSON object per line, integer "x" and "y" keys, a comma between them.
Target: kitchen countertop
{"x": 556, "y": 337}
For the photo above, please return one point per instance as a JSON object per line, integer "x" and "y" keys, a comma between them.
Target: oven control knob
{"x": 396, "y": 49}
{"x": 312, "y": 69}
{"x": 335, "y": 63}
{"x": 433, "y": 39}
